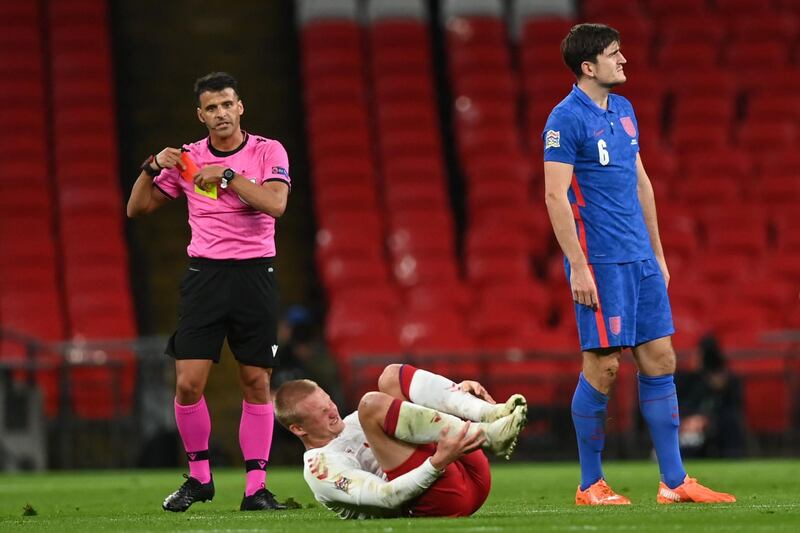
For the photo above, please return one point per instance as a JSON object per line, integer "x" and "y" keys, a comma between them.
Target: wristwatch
{"x": 148, "y": 169}
{"x": 227, "y": 176}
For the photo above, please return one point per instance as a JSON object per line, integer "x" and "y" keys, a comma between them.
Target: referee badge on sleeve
{"x": 552, "y": 139}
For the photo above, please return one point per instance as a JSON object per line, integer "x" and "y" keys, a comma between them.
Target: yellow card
{"x": 211, "y": 193}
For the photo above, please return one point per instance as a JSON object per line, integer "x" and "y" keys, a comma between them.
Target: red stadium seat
{"x": 333, "y": 61}
{"x": 790, "y": 6}
{"x": 766, "y": 393}
{"x": 477, "y": 85}
{"x": 754, "y": 134}
{"x": 697, "y": 136}
{"x": 333, "y": 88}
{"x": 421, "y": 241}
{"x": 416, "y": 328}
{"x": 679, "y": 26}
{"x": 487, "y": 239}
{"x": 346, "y": 324}
{"x": 710, "y": 81}
{"x": 429, "y": 195}
{"x": 499, "y": 193}
{"x": 467, "y": 30}
{"x": 337, "y": 169}
{"x": 545, "y": 31}
{"x": 766, "y": 106}
{"x": 392, "y": 33}
{"x": 663, "y": 8}
{"x": 538, "y": 380}
{"x": 323, "y": 34}
{"x": 727, "y": 8}
{"x": 366, "y": 298}
{"x": 751, "y": 240}
{"x": 392, "y": 86}
{"x": 688, "y": 56}
{"x": 495, "y": 325}
{"x": 421, "y": 220}
{"x": 703, "y": 108}
{"x": 406, "y": 116}
{"x": 487, "y": 141}
{"x": 413, "y": 169}
{"x": 424, "y": 269}
{"x": 597, "y": 9}
{"x": 411, "y": 59}
{"x": 787, "y": 225}
{"x": 333, "y": 197}
{"x": 481, "y": 112}
{"x": 530, "y": 295}
{"x": 765, "y": 26}
{"x": 752, "y": 57}
{"x": 489, "y": 269}
{"x": 729, "y": 162}
{"x": 784, "y": 264}
{"x": 479, "y": 58}
{"x": 409, "y": 142}
{"x": 341, "y": 271}
{"x": 490, "y": 169}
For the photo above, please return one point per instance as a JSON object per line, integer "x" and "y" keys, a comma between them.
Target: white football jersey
{"x": 346, "y": 478}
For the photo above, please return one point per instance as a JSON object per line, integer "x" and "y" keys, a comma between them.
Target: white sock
{"x": 421, "y": 425}
{"x": 442, "y": 394}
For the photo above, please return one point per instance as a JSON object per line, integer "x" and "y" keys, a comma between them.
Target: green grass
{"x": 525, "y": 497}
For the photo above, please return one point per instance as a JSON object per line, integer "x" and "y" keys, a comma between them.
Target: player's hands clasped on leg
{"x": 450, "y": 448}
{"x": 584, "y": 291}
{"x": 476, "y": 389}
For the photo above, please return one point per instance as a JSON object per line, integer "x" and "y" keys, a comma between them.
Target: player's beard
{"x": 609, "y": 86}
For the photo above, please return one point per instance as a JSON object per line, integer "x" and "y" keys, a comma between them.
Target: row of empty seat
{"x": 724, "y": 205}
{"x": 64, "y": 261}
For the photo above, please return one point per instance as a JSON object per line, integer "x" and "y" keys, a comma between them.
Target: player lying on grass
{"x": 412, "y": 449}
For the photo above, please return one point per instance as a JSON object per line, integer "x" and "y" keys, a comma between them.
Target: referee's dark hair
{"x": 215, "y": 82}
{"x": 585, "y": 42}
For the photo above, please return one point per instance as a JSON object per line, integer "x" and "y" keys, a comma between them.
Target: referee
{"x": 236, "y": 185}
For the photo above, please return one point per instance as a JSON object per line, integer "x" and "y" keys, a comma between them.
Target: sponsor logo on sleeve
{"x": 281, "y": 171}
{"x": 552, "y": 139}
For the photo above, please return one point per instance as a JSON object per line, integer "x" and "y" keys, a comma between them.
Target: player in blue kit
{"x": 603, "y": 213}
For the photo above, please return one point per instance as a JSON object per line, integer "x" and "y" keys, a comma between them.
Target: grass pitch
{"x": 525, "y": 497}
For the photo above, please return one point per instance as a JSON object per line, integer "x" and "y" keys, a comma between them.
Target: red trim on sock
{"x": 406, "y": 375}
{"x": 392, "y": 415}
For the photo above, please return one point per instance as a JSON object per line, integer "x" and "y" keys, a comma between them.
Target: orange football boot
{"x": 599, "y": 494}
{"x": 691, "y": 491}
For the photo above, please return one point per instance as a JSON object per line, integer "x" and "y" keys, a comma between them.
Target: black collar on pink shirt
{"x": 220, "y": 153}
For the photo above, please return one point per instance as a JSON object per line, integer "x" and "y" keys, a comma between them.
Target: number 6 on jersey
{"x": 601, "y": 149}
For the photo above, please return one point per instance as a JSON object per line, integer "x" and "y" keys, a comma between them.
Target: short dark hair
{"x": 585, "y": 42}
{"x": 215, "y": 82}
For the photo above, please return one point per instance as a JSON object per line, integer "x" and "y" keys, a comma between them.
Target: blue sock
{"x": 658, "y": 402}
{"x": 589, "y": 417}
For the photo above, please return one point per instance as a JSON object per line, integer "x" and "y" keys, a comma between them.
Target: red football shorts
{"x": 460, "y": 491}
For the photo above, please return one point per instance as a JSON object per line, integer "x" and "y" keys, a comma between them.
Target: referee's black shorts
{"x": 233, "y": 298}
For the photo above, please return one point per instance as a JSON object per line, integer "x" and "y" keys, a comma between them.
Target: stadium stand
{"x": 704, "y": 133}
{"x": 98, "y": 299}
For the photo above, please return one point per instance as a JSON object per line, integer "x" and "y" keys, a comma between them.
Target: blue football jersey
{"x": 602, "y": 146}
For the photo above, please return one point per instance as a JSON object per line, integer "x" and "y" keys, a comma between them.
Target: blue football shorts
{"x": 633, "y": 306}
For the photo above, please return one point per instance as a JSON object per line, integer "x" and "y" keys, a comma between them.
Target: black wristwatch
{"x": 148, "y": 169}
{"x": 227, "y": 177}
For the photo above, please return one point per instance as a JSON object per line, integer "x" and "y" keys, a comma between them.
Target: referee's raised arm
{"x": 145, "y": 196}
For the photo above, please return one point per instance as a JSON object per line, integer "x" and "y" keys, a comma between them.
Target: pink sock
{"x": 194, "y": 425}
{"x": 255, "y": 439}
